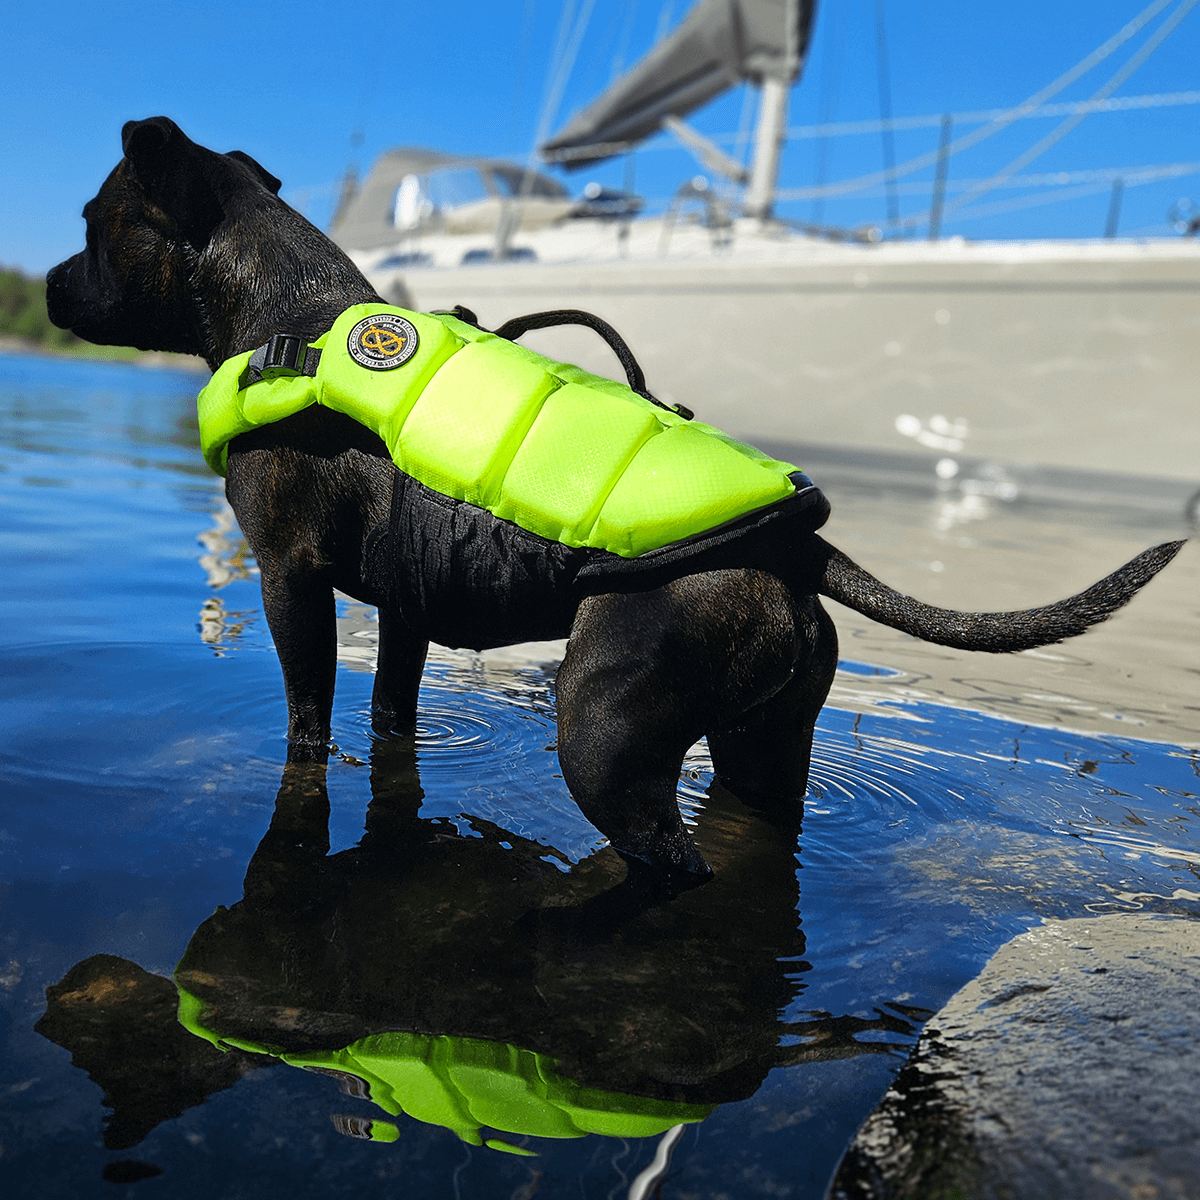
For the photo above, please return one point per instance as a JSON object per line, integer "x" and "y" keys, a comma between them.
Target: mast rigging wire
{"x": 566, "y": 46}
{"x": 1051, "y": 179}
{"x": 981, "y": 116}
{"x": 831, "y": 78}
{"x": 566, "y": 49}
{"x": 1151, "y": 44}
{"x": 885, "y": 110}
{"x": 1005, "y": 119}
{"x": 828, "y": 129}
{"x": 1000, "y": 207}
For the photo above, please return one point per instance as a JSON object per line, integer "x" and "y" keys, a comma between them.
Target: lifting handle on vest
{"x": 511, "y": 330}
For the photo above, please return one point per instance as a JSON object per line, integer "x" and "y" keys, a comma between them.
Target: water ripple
{"x": 461, "y": 732}
{"x": 1134, "y": 846}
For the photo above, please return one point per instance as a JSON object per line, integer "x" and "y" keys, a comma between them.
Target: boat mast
{"x": 771, "y": 132}
{"x": 768, "y": 142}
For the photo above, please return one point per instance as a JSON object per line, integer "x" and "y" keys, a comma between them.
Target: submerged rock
{"x": 1069, "y": 1067}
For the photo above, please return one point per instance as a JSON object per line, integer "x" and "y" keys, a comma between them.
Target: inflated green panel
{"x": 573, "y": 453}
{"x": 469, "y": 421}
{"x": 413, "y": 1069}
{"x": 752, "y": 452}
{"x": 381, "y": 400}
{"x": 273, "y": 400}
{"x": 570, "y": 373}
{"x": 567, "y": 372}
{"x": 655, "y": 503}
{"x": 501, "y": 1084}
{"x": 224, "y": 412}
{"x": 382, "y": 1131}
{"x": 460, "y": 329}
{"x": 218, "y": 413}
{"x": 611, "y": 1113}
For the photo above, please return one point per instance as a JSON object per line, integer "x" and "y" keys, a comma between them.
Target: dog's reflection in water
{"x": 479, "y": 980}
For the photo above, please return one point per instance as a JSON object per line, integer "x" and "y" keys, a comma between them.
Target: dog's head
{"x": 166, "y": 208}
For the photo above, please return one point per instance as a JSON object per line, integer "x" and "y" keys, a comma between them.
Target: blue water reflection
{"x": 142, "y": 760}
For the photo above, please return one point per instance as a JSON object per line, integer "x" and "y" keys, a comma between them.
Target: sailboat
{"x": 983, "y": 360}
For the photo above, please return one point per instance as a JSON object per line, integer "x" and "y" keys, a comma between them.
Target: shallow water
{"x": 953, "y": 805}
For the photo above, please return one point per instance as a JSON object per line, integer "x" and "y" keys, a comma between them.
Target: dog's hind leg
{"x": 643, "y": 677}
{"x": 763, "y": 756}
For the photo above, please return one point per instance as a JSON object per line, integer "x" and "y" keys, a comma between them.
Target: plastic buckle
{"x": 680, "y": 410}
{"x": 460, "y": 312}
{"x": 283, "y": 356}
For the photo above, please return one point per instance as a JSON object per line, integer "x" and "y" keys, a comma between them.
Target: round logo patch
{"x": 383, "y": 342}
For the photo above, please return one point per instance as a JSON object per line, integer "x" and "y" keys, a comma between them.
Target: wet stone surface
{"x": 1068, "y": 1068}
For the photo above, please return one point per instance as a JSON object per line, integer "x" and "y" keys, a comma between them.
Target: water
{"x": 953, "y": 806}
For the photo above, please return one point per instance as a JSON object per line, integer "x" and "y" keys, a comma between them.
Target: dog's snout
{"x": 58, "y": 283}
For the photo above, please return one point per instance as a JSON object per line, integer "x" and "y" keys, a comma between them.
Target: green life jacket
{"x": 466, "y": 1084}
{"x": 567, "y": 455}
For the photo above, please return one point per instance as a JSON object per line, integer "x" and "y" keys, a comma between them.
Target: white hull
{"x": 1070, "y": 354}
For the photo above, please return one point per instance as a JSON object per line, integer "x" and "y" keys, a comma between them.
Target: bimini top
{"x": 562, "y": 453}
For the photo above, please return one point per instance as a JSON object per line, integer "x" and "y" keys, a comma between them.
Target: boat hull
{"x": 1082, "y": 355}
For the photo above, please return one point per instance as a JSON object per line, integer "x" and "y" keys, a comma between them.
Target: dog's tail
{"x": 999, "y": 632}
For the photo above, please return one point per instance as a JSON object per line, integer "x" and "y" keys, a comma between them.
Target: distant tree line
{"x": 23, "y": 313}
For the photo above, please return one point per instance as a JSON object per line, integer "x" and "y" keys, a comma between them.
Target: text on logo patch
{"x": 383, "y": 342}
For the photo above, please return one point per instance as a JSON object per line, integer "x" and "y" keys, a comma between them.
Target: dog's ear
{"x": 175, "y": 175}
{"x": 269, "y": 181}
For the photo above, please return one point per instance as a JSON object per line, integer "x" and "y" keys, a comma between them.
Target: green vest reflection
{"x": 464, "y": 1085}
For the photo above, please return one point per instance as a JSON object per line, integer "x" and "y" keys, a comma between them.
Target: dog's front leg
{"x": 300, "y": 612}
{"x": 397, "y": 675}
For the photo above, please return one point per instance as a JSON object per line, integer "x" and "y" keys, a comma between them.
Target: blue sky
{"x": 291, "y": 83}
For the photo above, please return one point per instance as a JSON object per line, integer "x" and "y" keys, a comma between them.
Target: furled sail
{"x": 719, "y": 44}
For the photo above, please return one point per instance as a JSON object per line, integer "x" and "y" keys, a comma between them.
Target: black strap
{"x": 511, "y": 330}
{"x": 461, "y": 311}
{"x": 284, "y": 355}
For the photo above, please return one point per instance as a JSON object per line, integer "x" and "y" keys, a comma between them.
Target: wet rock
{"x": 1069, "y": 1068}
{"x": 119, "y": 1023}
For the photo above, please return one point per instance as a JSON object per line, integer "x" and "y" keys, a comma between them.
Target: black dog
{"x": 193, "y": 251}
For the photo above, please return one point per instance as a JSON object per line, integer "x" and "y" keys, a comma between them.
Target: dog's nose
{"x": 57, "y": 283}
{"x": 56, "y": 277}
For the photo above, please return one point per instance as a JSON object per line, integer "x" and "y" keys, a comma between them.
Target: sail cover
{"x": 719, "y": 44}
